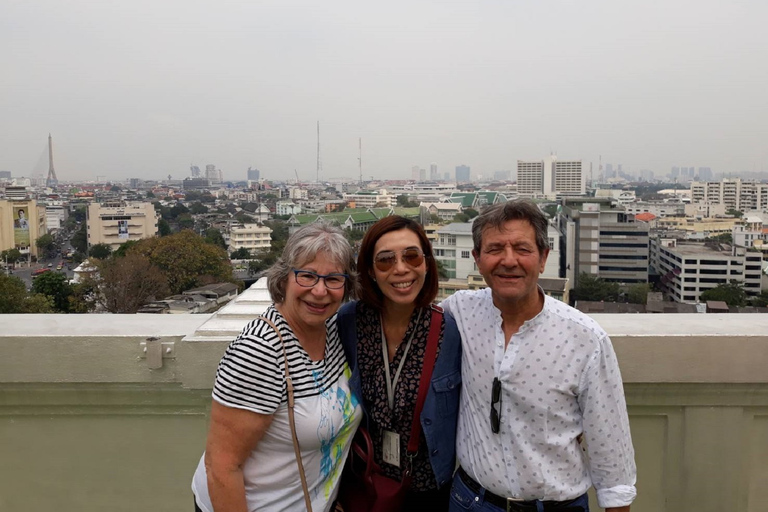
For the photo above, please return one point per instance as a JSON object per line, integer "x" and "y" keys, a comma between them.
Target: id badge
{"x": 391, "y": 448}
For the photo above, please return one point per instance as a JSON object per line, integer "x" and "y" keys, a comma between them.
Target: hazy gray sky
{"x": 144, "y": 88}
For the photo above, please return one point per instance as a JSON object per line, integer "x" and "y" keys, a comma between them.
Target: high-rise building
{"x": 415, "y": 176}
{"x": 447, "y": 176}
{"x": 601, "y": 239}
{"x": 433, "y": 172}
{"x": 422, "y": 175}
{"x": 705, "y": 174}
{"x": 212, "y": 175}
{"x": 501, "y": 175}
{"x": 462, "y": 173}
{"x": 194, "y": 171}
{"x": 253, "y": 174}
{"x": 5, "y": 175}
{"x": 550, "y": 178}
{"x": 115, "y": 223}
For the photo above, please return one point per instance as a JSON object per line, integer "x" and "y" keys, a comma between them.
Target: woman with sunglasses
{"x": 385, "y": 336}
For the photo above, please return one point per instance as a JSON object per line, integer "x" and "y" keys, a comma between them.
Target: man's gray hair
{"x": 499, "y": 214}
{"x": 303, "y": 247}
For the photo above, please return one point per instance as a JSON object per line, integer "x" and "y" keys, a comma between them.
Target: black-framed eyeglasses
{"x": 412, "y": 256}
{"x": 495, "y": 399}
{"x": 308, "y": 279}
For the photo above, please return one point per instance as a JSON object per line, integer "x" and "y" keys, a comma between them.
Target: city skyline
{"x": 145, "y": 90}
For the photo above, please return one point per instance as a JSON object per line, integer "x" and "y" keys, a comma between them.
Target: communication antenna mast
{"x": 360, "y": 159}
{"x": 319, "y": 166}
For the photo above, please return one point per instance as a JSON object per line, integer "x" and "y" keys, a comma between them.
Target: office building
{"x": 115, "y": 223}
{"x": 415, "y": 175}
{"x": 253, "y": 174}
{"x": 688, "y": 269}
{"x": 462, "y": 173}
{"x": 433, "y": 176}
{"x": 601, "y": 239}
{"x": 550, "y": 178}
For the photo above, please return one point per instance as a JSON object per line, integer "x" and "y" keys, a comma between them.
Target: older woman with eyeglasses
{"x": 385, "y": 337}
{"x": 249, "y": 461}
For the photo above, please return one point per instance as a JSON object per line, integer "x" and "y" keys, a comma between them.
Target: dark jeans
{"x": 436, "y": 500}
{"x": 463, "y": 499}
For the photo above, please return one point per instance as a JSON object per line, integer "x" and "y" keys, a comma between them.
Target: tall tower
{"x": 52, "y": 181}
{"x": 318, "y": 152}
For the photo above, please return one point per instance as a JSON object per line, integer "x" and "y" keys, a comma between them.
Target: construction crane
{"x": 298, "y": 182}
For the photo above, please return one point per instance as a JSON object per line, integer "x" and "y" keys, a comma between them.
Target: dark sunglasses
{"x": 495, "y": 399}
{"x": 385, "y": 260}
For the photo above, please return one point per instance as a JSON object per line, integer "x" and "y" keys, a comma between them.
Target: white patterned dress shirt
{"x": 560, "y": 379}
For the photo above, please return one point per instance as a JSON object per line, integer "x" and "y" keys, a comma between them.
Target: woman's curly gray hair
{"x": 303, "y": 247}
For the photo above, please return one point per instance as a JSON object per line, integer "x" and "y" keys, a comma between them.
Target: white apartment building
{"x": 298, "y": 193}
{"x": 735, "y": 194}
{"x": 379, "y": 198}
{"x": 550, "y": 178}
{"x": 749, "y": 231}
{"x": 688, "y": 269}
{"x": 118, "y": 222}
{"x": 252, "y": 237}
{"x": 453, "y": 248}
{"x": 287, "y": 208}
{"x": 56, "y": 214}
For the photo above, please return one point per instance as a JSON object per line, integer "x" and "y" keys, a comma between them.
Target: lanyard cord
{"x": 392, "y": 384}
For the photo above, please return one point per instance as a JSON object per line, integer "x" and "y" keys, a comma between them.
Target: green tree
{"x": 186, "y": 260}
{"x": 761, "y": 300}
{"x": 263, "y": 263}
{"x": 185, "y": 221}
{"x": 163, "y": 228}
{"x": 198, "y": 208}
{"x": 442, "y": 272}
{"x": 177, "y": 210}
{"x": 638, "y": 293}
{"x": 100, "y": 251}
{"x": 735, "y": 213}
{"x": 47, "y": 245}
{"x": 80, "y": 240}
{"x": 55, "y": 286}
{"x": 471, "y": 213}
{"x": 214, "y": 236}
{"x": 10, "y": 255}
{"x": 123, "y": 249}
{"x": 79, "y": 214}
{"x": 461, "y": 217}
{"x": 241, "y": 254}
{"x": 150, "y": 195}
{"x": 589, "y": 287}
{"x": 731, "y": 293}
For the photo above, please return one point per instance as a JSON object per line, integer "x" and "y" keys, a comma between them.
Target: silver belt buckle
{"x": 511, "y": 501}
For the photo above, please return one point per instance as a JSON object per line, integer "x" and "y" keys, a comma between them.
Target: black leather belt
{"x": 514, "y": 504}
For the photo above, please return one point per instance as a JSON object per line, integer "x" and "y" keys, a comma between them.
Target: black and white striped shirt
{"x": 251, "y": 375}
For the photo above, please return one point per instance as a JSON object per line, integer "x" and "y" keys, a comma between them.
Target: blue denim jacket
{"x": 441, "y": 407}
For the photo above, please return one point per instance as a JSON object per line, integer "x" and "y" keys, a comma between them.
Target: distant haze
{"x": 145, "y": 88}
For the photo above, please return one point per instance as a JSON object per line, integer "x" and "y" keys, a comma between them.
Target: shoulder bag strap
{"x": 291, "y": 420}
{"x": 426, "y": 375}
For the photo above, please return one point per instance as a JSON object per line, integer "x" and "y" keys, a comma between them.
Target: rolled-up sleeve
{"x": 606, "y": 429}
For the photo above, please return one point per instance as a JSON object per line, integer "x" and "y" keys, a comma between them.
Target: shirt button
{"x": 434, "y": 452}
{"x": 427, "y": 421}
